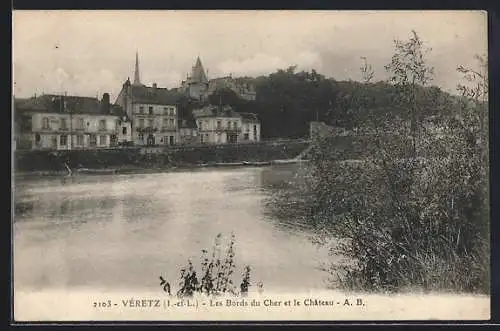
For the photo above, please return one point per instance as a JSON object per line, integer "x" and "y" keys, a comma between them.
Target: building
{"x": 250, "y": 131}
{"x": 222, "y": 125}
{"x": 188, "y": 132}
{"x": 152, "y": 110}
{"x": 197, "y": 84}
{"x": 198, "y": 87}
{"x": 241, "y": 86}
{"x": 60, "y": 122}
{"x": 217, "y": 125}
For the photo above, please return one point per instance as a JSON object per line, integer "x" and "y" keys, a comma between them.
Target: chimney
{"x": 154, "y": 85}
{"x": 105, "y": 101}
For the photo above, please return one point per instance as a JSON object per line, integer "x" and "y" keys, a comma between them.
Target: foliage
{"x": 216, "y": 273}
{"x": 288, "y": 99}
{"x": 412, "y": 215}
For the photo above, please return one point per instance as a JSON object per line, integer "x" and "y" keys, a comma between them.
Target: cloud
{"x": 96, "y": 50}
{"x": 309, "y": 60}
{"x": 255, "y": 65}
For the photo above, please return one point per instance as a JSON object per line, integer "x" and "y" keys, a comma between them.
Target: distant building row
{"x": 141, "y": 115}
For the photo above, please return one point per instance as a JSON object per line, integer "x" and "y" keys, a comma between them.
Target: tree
{"x": 405, "y": 217}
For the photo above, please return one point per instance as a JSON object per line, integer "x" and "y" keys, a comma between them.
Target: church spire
{"x": 137, "y": 77}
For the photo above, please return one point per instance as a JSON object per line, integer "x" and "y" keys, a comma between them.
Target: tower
{"x": 198, "y": 82}
{"x": 198, "y": 73}
{"x": 137, "y": 77}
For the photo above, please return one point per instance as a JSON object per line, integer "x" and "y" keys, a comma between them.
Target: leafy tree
{"x": 412, "y": 214}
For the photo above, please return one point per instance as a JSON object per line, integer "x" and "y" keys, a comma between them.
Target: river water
{"x": 121, "y": 232}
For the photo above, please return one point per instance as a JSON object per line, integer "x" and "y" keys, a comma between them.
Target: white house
{"x": 222, "y": 125}
{"x": 71, "y": 122}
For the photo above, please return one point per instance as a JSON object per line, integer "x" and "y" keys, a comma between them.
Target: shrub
{"x": 216, "y": 273}
{"x": 408, "y": 218}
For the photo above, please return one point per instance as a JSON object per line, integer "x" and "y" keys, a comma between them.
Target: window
{"x": 141, "y": 136}
{"x": 141, "y": 109}
{"x": 141, "y": 122}
{"x": 150, "y": 123}
{"x": 150, "y": 110}
{"x": 79, "y": 123}
{"x": 235, "y": 125}
{"x": 63, "y": 140}
{"x": 93, "y": 140}
{"x": 64, "y": 124}
{"x": 172, "y": 111}
{"x": 165, "y": 140}
{"x": 172, "y": 122}
{"x": 46, "y": 123}
{"x": 219, "y": 124}
{"x": 246, "y": 136}
{"x": 113, "y": 140}
{"x": 201, "y": 139}
{"x": 165, "y": 111}
{"x": 102, "y": 140}
{"x": 255, "y": 131}
{"x": 124, "y": 130}
{"x": 232, "y": 138}
{"x": 117, "y": 124}
{"x": 171, "y": 140}
{"x": 79, "y": 140}
{"x": 37, "y": 139}
{"x": 200, "y": 124}
{"x": 102, "y": 125}
{"x": 228, "y": 124}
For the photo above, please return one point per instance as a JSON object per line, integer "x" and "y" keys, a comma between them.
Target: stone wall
{"x": 27, "y": 161}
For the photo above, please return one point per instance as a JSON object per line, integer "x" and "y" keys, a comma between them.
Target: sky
{"x": 89, "y": 53}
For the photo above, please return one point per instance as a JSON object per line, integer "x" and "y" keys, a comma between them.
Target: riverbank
{"x": 107, "y": 160}
{"x": 143, "y": 170}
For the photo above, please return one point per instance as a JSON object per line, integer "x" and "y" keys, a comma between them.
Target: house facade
{"x": 58, "y": 122}
{"x": 250, "y": 131}
{"x": 222, "y": 125}
{"x": 152, "y": 110}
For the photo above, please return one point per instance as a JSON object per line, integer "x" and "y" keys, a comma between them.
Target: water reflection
{"x": 124, "y": 231}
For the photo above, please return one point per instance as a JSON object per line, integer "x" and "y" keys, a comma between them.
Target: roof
{"x": 118, "y": 111}
{"x": 215, "y": 111}
{"x": 19, "y": 101}
{"x": 226, "y": 111}
{"x": 249, "y": 116}
{"x": 198, "y": 73}
{"x": 51, "y": 103}
{"x": 153, "y": 95}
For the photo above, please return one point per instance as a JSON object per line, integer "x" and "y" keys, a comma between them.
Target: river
{"x": 121, "y": 232}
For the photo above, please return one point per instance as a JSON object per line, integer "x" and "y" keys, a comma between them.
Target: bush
{"x": 215, "y": 276}
{"x": 408, "y": 218}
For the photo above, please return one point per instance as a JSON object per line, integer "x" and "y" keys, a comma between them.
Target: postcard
{"x": 181, "y": 165}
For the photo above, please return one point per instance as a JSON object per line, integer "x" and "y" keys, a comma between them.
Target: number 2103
{"x": 102, "y": 304}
